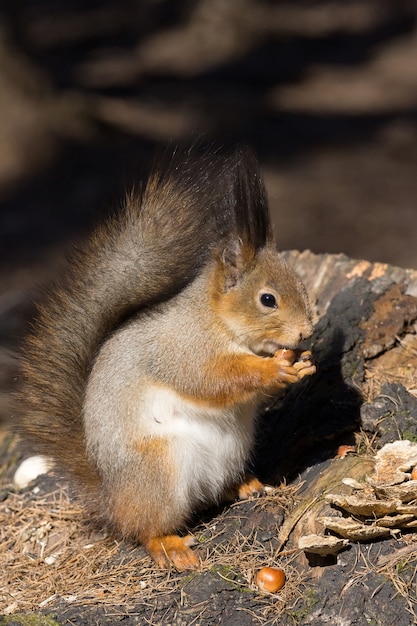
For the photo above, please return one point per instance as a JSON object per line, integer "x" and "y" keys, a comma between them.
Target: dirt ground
{"x": 326, "y": 93}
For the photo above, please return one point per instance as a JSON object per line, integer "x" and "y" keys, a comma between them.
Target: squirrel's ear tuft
{"x": 234, "y": 259}
{"x": 250, "y": 200}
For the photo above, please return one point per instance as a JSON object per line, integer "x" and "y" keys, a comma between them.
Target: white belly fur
{"x": 210, "y": 446}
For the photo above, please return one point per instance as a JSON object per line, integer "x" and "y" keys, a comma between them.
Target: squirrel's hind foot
{"x": 174, "y": 551}
{"x": 250, "y": 488}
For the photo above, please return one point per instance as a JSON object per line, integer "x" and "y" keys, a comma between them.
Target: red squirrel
{"x": 147, "y": 363}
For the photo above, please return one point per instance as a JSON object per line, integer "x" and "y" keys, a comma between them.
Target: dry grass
{"x": 49, "y": 552}
{"x": 46, "y": 551}
{"x": 366, "y": 443}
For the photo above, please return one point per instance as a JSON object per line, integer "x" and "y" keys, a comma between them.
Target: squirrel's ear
{"x": 234, "y": 262}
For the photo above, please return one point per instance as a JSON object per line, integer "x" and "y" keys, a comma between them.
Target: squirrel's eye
{"x": 269, "y": 300}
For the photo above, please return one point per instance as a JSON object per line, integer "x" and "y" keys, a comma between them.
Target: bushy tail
{"x": 145, "y": 254}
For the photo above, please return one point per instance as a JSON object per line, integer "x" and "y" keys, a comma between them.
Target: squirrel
{"x": 146, "y": 364}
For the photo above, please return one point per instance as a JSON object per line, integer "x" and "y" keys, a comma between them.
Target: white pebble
{"x": 30, "y": 469}
{"x": 51, "y": 559}
{"x": 70, "y": 599}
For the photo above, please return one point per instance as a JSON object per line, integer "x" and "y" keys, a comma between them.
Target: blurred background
{"x": 325, "y": 91}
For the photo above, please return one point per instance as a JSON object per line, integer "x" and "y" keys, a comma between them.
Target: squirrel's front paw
{"x": 285, "y": 371}
{"x": 304, "y": 365}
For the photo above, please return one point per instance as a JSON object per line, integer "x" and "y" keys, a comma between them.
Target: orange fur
{"x": 173, "y": 550}
{"x": 240, "y": 378}
{"x": 251, "y": 487}
{"x": 141, "y": 507}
